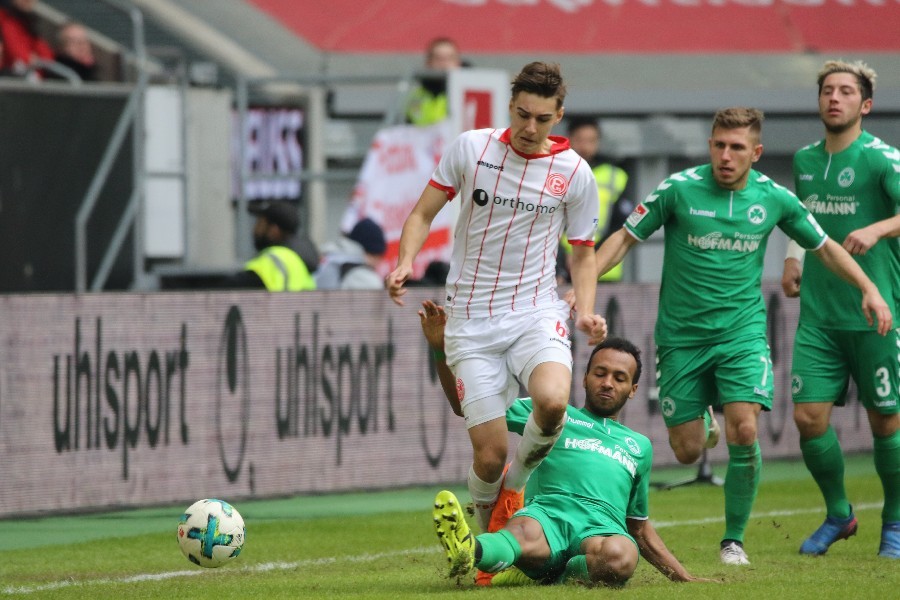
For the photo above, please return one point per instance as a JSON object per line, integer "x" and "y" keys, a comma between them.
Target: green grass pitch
{"x": 381, "y": 545}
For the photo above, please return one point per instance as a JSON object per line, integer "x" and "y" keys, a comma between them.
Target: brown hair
{"x": 865, "y": 75}
{"x": 737, "y": 117}
{"x": 542, "y": 79}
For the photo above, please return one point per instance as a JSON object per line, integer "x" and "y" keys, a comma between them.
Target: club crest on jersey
{"x": 460, "y": 389}
{"x": 756, "y": 214}
{"x": 845, "y": 178}
{"x": 557, "y": 184}
{"x": 633, "y": 446}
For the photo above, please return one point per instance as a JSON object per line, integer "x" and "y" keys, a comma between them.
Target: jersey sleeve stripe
{"x": 451, "y": 193}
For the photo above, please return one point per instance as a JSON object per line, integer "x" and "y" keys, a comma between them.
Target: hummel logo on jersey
{"x": 481, "y": 198}
{"x": 481, "y": 163}
{"x": 805, "y": 177}
{"x": 703, "y": 213}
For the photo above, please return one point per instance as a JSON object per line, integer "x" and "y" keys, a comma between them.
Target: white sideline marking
{"x": 360, "y": 558}
{"x": 260, "y": 568}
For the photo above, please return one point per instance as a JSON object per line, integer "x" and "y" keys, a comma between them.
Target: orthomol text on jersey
{"x": 481, "y": 198}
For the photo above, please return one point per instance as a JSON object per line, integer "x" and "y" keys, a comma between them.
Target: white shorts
{"x": 491, "y": 355}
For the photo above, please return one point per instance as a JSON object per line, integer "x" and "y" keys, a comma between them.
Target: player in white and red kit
{"x": 518, "y": 190}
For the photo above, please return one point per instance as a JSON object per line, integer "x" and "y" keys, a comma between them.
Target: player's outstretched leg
{"x": 453, "y": 533}
{"x": 890, "y": 540}
{"x": 511, "y": 577}
{"x": 832, "y": 530}
{"x": 508, "y": 502}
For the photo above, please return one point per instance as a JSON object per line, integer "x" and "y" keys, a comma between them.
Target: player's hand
{"x": 790, "y": 278}
{"x": 569, "y": 297}
{"x": 874, "y": 304}
{"x": 394, "y": 283}
{"x": 433, "y": 320}
{"x": 594, "y": 326}
{"x": 859, "y": 241}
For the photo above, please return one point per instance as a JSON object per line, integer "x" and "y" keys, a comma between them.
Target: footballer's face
{"x": 531, "y": 118}
{"x": 732, "y": 152}
{"x": 608, "y": 383}
{"x": 841, "y": 105}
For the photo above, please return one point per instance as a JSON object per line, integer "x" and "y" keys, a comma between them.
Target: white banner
{"x": 136, "y": 399}
{"x": 396, "y": 169}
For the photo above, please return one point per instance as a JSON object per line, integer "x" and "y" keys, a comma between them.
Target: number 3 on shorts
{"x": 883, "y": 389}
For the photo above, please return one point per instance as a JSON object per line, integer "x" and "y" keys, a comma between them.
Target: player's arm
{"x": 654, "y": 550}
{"x": 792, "y": 274}
{"x": 839, "y": 262}
{"x": 584, "y": 282}
{"x": 613, "y": 250}
{"x": 415, "y": 231}
{"x": 860, "y": 240}
{"x": 433, "y": 319}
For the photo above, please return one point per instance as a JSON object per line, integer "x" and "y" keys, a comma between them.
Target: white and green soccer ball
{"x": 211, "y": 533}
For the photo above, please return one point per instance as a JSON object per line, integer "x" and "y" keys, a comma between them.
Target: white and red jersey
{"x": 513, "y": 209}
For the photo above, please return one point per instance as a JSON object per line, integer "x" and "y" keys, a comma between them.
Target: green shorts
{"x": 825, "y": 359}
{"x": 567, "y": 522}
{"x": 692, "y": 378}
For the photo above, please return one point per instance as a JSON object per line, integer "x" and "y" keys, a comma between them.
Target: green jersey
{"x": 715, "y": 243}
{"x": 847, "y": 191}
{"x": 617, "y": 459}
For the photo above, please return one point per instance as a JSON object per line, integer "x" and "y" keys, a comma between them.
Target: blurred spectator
{"x": 277, "y": 267}
{"x": 585, "y": 138}
{"x": 427, "y": 103}
{"x": 23, "y": 45}
{"x": 350, "y": 262}
{"x": 74, "y": 50}
{"x": 435, "y": 275}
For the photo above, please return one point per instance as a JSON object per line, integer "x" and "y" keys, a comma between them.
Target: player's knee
{"x": 743, "y": 432}
{"x": 489, "y": 463}
{"x": 686, "y": 451}
{"x": 809, "y": 423}
{"x": 614, "y": 564}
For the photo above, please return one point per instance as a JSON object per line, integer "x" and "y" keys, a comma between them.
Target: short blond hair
{"x": 737, "y": 117}
{"x": 865, "y": 75}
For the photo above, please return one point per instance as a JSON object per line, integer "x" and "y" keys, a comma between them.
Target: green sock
{"x": 887, "y": 465}
{"x": 825, "y": 461}
{"x": 498, "y": 551}
{"x": 741, "y": 482}
{"x": 576, "y": 570}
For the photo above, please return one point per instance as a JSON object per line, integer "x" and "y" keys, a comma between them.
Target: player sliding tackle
{"x": 587, "y": 508}
{"x": 518, "y": 190}
{"x": 711, "y": 327}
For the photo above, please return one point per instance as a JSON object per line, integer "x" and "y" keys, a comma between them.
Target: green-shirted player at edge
{"x": 585, "y": 514}
{"x": 711, "y": 324}
{"x": 850, "y": 181}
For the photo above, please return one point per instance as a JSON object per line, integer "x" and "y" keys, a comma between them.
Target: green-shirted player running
{"x": 850, "y": 181}
{"x": 585, "y": 514}
{"x": 711, "y": 325}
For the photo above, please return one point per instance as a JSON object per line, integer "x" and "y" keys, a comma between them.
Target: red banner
{"x": 594, "y": 26}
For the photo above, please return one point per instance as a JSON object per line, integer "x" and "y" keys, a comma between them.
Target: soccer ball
{"x": 211, "y": 532}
